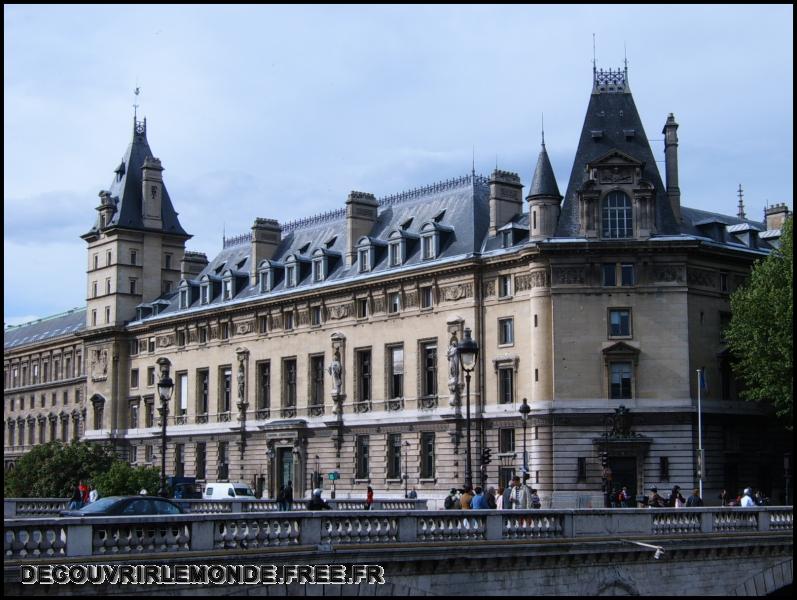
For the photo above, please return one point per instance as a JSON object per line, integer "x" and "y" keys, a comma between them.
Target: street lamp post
{"x": 406, "y": 473}
{"x": 317, "y": 473}
{"x": 468, "y": 350}
{"x": 525, "y": 409}
{"x": 165, "y": 388}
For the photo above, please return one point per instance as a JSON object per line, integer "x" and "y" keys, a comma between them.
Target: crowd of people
{"x": 82, "y": 495}
{"x": 518, "y": 495}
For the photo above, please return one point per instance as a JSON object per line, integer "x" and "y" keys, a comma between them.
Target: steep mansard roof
{"x": 126, "y": 188}
{"x": 48, "y": 328}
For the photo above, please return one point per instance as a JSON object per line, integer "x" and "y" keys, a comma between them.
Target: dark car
{"x": 126, "y": 506}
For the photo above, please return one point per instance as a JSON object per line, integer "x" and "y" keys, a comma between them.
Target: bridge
{"x": 694, "y": 551}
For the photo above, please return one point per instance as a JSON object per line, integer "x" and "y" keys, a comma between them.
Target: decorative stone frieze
{"x": 569, "y": 275}
{"x": 457, "y": 292}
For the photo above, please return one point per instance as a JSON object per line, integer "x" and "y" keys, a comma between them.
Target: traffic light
{"x": 486, "y": 456}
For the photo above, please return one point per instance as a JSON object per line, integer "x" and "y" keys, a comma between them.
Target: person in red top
{"x": 84, "y": 492}
{"x": 369, "y": 498}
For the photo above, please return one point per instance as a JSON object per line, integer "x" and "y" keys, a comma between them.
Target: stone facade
{"x": 325, "y": 348}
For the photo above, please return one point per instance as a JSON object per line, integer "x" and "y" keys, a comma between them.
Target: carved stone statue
{"x": 336, "y": 370}
{"x": 453, "y": 371}
{"x": 241, "y": 380}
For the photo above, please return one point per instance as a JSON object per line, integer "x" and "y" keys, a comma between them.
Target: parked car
{"x": 126, "y": 506}
{"x": 228, "y": 490}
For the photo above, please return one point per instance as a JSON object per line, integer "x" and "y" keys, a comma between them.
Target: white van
{"x": 228, "y": 490}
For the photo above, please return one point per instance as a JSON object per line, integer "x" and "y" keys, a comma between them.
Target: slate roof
{"x": 458, "y": 210}
{"x": 692, "y": 217}
{"x": 126, "y": 188}
{"x": 614, "y": 114}
{"x": 543, "y": 182}
{"x": 45, "y": 329}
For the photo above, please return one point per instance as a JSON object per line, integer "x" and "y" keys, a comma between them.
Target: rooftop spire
{"x": 543, "y": 182}
{"x": 542, "y": 128}
{"x": 135, "y": 101}
{"x": 740, "y": 193}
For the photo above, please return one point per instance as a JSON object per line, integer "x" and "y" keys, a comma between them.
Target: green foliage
{"x": 123, "y": 480}
{"x": 760, "y": 333}
{"x": 53, "y": 470}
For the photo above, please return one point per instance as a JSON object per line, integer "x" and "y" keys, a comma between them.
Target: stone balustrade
{"x": 32, "y": 539}
{"x": 51, "y": 507}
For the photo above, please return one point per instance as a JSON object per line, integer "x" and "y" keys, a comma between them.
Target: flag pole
{"x": 701, "y": 464}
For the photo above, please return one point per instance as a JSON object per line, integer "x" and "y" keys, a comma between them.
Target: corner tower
{"x": 543, "y": 199}
{"x": 136, "y": 243}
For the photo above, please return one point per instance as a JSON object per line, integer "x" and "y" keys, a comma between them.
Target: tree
{"x": 53, "y": 470}
{"x": 760, "y": 333}
{"x": 123, "y": 480}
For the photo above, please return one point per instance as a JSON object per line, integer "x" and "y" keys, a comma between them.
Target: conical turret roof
{"x": 543, "y": 183}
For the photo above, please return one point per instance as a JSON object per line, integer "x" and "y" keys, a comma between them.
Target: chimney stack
{"x": 506, "y": 199}
{"x": 360, "y": 218}
{"x": 670, "y": 132}
{"x": 776, "y": 216}
{"x": 151, "y": 192}
{"x": 266, "y": 237}
{"x": 192, "y": 264}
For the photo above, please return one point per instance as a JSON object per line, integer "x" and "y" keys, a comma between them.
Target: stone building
{"x": 325, "y": 344}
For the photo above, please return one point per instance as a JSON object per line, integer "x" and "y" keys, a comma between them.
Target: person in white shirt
{"x": 747, "y": 499}
{"x": 93, "y": 494}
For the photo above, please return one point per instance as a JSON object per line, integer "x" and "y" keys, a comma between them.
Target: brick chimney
{"x": 360, "y": 218}
{"x": 266, "y": 237}
{"x": 151, "y": 192}
{"x": 506, "y": 199}
{"x": 776, "y": 215}
{"x": 670, "y": 132}
{"x": 192, "y": 264}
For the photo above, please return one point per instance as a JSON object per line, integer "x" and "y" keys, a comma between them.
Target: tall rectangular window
{"x": 134, "y": 378}
{"x": 223, "y": 467}
{"x": 581, "y": 468}
{"x": 609, "y": 275}
{"x": 620, "y": 380}
{"x": 317, "y": 380}
{"x": 289, "y": 377}
{"x": 288, "y": 321}
{"x": 394, "y": 302}
{"x": 427, "y": 455}
{"x": 394, "y": 456}
{"x": 107, "y": 314}
{"x": 362, "y": 258}
{"x": 200, "y": 460}
{"x": 363, "y": 450}
{"x": 133, "y": 257}
{"x": 167, "y": 258}
{"x": 134, "y": 415}
{"x": 149, "y": 413}
{"x": 290, "y": 276}
{"x": 132, "y": 286}
{"x": 506, "y": 440}
{"x": 395, "y": 371}
{"x": 182, "y": 390}
{"x": 627, "y": 274}
{"x": 363, "y": 375}
{"x": 395, "y": 255}
{"x": 149, "y": 453}
{"x": 179, "y": 460}
{"x": 504, "y": 286}
{"x": 202, "y": 383}
{"x": 263, "y": 389}
{"x": 226, "y": 390}
{"x": 429, "y": 369}
{"x": 315, "y": 316}
{"x": 362, "y": 308}
{"x": 619, "y": 322}
{"x": 426, "y": 297}
{"x": 506, "y": 332}
{"x": 262, "y": 324}
{"x": 427, "y": 247}
{"x": 318, "y": 271}
{"x": 506, "y": 385}
{"x": 150, "y": 376}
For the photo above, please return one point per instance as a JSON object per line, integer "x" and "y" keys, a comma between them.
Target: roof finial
{"x": 473, "y": 163}
{"x": 625, "y": 59}
{"x": 594, "y": 62}
{"x": 741, "y": 214}
{"x": 542, "y": 128}
{"x": 135, "y": 100}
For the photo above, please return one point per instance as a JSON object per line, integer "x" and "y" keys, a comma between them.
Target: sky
{"x": 280, "y": 111}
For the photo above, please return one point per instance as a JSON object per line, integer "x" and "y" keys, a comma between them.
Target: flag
{"x": 702, "y": 381}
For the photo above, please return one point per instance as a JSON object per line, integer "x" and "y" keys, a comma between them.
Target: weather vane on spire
{"x": 135, "y": 101}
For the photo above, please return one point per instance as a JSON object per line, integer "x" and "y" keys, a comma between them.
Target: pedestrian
{"x": 451, "y": 500}
{"x": 519, "y": 498}
{"x": 369, "y": 498}
{"x": 534, "y": 499}
{"x": 499, "y": 499}
{"x": 655, "y": 501}
{"x": 289, "y": 495}
{"x": 624, "y": 497}
{"x": 413, "y": 494}
{"x": 724, "y": 498}
{"x": 76, "y": 501}
{"x": 93, "y": 494}
{"x": 676, "y": 499}
{"x": 317, "y": 502}
{"x": 506, "y": 503}
{"x": 466, "y": 497}
{"x": 747, "y": 499}
{"x": 84, "y": 492}
{"x": 760, "y": 499}
{"x": 479, "y": 502}
{"x": 694, "y": 500}
{"x": 492, "y": 504}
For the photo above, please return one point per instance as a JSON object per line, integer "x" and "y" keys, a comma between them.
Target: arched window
{"x": 617, "y": 218}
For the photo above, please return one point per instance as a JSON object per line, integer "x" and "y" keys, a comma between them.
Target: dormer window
{"x": 363, "y": 256}
{"x": 226, "y": 287}
{"x": 318, "y": 270}
{"x": 290, "y": 276}
{"x": 266, "y": 276}
{"x": 395, "y": 254}
{"x": 617, "y": 215}
{"x": 506, "y": 239}
{"x": 204, "y": 290}
{"x": 184, "y": 296}
{"x": 429, "y": 246}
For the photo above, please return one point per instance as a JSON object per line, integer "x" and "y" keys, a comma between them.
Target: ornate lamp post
{"x": 468, "y": 351}
{"x": 406, "y": 472}
{"x": 317, "y": 472}
{"x": 165, "y": 389}
{"x": 525, "y": 409}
